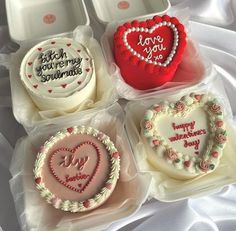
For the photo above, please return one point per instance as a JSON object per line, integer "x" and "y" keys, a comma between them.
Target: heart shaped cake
{"x": 185, "y": 139}
{"x": 149, "y": 52}
{"x": 59, "y": 74}
{"x": 77, "y": 169}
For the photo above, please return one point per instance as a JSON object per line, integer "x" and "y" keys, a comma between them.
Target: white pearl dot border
{"x": 142, "y": 29}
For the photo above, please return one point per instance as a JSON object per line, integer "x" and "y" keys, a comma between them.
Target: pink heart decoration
{"x": 68, "y": 166}
{"x": 70, "y": 130}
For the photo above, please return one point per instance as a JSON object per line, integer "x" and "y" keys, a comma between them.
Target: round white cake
{"x": 59, "y": 73}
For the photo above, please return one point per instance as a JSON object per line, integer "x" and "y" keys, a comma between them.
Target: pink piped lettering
{"x": 185, "y": 126}
{"x": 70, "y": 160}
{"x": 194, "y": 144}
{"x": 80, "y": 176}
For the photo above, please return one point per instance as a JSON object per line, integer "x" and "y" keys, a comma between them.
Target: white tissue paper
{"x": 8, "y": 220}
{"x": 163, "y": 187}
{"x": 35, "y": 213}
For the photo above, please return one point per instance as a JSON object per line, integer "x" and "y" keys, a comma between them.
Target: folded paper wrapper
{"x": 163, "y": 187}
{"x": 193, "y": 69}
{"x": 8, "y": 216}
{"x": 25, "y": 110}
{"x": 130, "y": 192}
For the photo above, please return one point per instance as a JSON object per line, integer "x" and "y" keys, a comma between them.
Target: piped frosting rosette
{"x": 58, "y": 74}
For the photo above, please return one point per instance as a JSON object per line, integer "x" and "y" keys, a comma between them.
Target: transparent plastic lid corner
{"x": 29, "y": 19}
{"x": 117, "y": 10}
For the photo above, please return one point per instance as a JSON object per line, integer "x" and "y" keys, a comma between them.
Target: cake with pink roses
{"x": 186, "y": 138}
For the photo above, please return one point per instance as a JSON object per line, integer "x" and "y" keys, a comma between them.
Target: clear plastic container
{"x": 116, "y": 10}
{"x": 164, "y": 187}
{"x": 33, "y": 19}
{"x": 131, "y": 190}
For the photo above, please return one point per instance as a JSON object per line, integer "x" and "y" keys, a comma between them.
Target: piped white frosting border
{"x": 99, "y": 198}
{"x": 142, "y": 29}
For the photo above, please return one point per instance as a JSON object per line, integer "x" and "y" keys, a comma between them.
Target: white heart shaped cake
{"x": 77, "y": 169}
{"x": 186, "y": 138}
{"x": 59, "y": 74}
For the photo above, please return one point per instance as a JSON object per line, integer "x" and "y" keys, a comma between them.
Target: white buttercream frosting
{"x": 58, "y": 74}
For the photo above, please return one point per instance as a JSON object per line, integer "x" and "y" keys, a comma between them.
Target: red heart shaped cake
{"x": 149, "y": 52}
{"x": 77, "y": 169}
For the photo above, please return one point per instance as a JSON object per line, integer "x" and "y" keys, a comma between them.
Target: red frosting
{"x": 141, "y": 53}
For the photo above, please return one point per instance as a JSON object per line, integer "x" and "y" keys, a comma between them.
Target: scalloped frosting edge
{"x": 156, "y": 21}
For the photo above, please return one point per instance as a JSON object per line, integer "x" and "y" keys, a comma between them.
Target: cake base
{"x": 138, "y": 78}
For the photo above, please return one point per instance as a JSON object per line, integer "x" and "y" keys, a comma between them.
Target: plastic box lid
{"x": 116, "y": 10}
{"x": 29, "y": 19}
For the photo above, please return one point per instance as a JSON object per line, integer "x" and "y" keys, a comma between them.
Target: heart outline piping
{"x": 73, "y": 151}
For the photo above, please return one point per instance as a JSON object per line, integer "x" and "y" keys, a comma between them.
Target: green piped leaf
{"x": 177, "y": 160}
{"x": 211, "y": 166}
{"x": 219, "y": 145}
{"x": 214, "y": 101}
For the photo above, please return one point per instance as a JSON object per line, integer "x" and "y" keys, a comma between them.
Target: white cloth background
{"x": 213, "y": 212}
